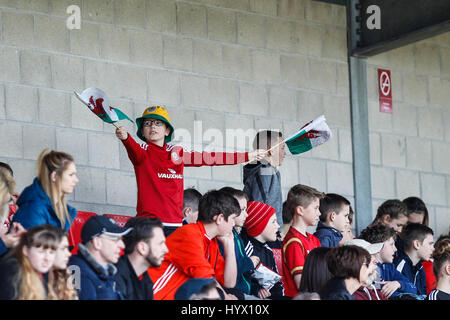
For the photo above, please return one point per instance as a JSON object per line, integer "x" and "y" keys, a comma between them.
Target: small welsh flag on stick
{"x": 97, "y": 101}
{"x": 311, "y": 135}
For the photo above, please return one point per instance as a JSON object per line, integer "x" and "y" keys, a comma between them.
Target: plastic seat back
{"x": 75, "y": 229}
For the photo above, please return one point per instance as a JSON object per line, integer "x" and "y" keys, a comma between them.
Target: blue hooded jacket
{"x": 328, "y": 236}
{"x": 389, "y": 273}
{"x": 35, "y": 208}
{"x": 415, "y": 274}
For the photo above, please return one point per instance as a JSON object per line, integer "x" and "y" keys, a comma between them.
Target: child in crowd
{"x": 303, "y": 205}
{"x": 348, "y": 233}
{"x": 392, "y": 213}
{"x": 22, "y": 269}
{"x": 191, "y": 198}
{"x": 159, "y": 166}
{"x": 392, "y": 282}
{"x": 14, "y": 195}
{"x": 350, "y": 267}
{"x": 9, "y": 237}
{"x": 261, "y": 226}
{"x": 44, "y": 201}
{"x": 369, "y": 291}
{"x": 245, "y": 264}
{"x": 315, "y": 271}
{"x": 60, "y": 284}
{"x": 418, "y": 246}
{"x": 441, "y": 258}
{"x": 194, "y": 250}
{"x": 418, "y": 213}
{"x": 417, "y": 210}
{"x": 334, "y": 211}
{"x": 262, "y": 180}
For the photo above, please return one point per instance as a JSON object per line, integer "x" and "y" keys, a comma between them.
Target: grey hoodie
{"x": 262, "y": 183}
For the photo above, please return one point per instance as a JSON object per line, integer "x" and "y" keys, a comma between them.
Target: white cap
{"x": 372, "y": 248}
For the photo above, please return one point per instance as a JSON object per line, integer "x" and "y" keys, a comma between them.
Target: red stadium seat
{"x": 121, "y": 220}
{"x": 75, "y": 229}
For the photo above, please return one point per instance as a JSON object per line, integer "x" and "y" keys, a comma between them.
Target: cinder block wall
{"x": 215, "y": 64}
{"x": 410, "y": 148}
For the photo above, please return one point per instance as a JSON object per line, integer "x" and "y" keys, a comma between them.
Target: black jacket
{"x": 335, "y": 289}
{"x": 255, "y": 248}
{"x": 129, "y": 284}
{"x": 9, "y": 278}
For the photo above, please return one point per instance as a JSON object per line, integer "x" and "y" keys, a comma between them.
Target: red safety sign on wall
{"x": 385, "y": 90}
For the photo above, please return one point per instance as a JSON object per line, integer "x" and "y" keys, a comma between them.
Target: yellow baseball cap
{"x": 155, "y": 112}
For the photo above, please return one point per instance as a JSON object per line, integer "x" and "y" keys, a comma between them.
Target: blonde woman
{"x": 43, "y": 202}
{"x": 8, "y": 238}
{"x": 22, "y": 270}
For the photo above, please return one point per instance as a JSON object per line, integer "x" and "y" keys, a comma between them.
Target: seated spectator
{"x": 9, "y": 237}
{"x": 44, "y": 201}
{"x": 417, "y": 210}
{"x": 418, "y": 213}
{"x": 349, "y": 266}
{"x": 245, "y": 264}
{"x": 145, "y": 246}
{"x": 334, "y": 211}
{"x": 199, "y": 289}
{"x": 441, "y": 266}
{"x": 392, "y": 213}
{"x": 14, "y": 195}
{"x": 348, "y": 233}
{"x": 261, "y": 227}
{"x": 392, "y": 282}
{"x": 194, "y": 250}
{"x": 22, "y": 269}
{"x": 369, "y": 290}
{"x": 60, "y": 286}
{"x": 418, "y": 246}
{"x": 315, "y": 271}
{"x": 101, "y": 243}
{"x": 191, "y": 198}
{"x": 303, "y": 205}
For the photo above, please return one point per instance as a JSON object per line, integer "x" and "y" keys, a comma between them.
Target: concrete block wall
{"x": 216, "y": 65}
{"x": 410, "y": 147}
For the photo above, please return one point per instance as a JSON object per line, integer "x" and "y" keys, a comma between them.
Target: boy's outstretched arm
{"x": 197, "y": 159}
{"x": 134, "y": 150}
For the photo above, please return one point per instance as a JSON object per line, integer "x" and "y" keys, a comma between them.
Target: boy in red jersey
{"x": 194, "y": 249}
{"x": 159, "y": 166}
{"x": 303, "y": 203}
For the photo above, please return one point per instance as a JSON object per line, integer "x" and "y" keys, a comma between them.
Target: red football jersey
{"x": 296, "y": 248}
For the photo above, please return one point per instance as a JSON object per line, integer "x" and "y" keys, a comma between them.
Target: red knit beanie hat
{"x": 258, "y": 216}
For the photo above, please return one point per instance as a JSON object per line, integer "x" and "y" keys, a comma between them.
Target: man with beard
{"x": 145, "y": 246}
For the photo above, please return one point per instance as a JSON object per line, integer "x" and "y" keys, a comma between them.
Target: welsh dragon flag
{"x": 97, "y": 101}
{"x": 311, "y": 135}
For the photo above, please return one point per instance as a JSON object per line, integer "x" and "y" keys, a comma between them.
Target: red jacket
{"x": 191, "y": 255}
{"x": 159, "y": 176}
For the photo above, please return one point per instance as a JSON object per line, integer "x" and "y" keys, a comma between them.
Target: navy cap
{"x": 98, "y": 225}
{"x": 191, "y": 286}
